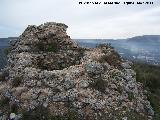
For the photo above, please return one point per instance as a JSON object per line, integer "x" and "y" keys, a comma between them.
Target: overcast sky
{"x": 84, "y": 21}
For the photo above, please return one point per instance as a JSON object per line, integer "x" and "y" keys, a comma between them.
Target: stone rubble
{"x": 46, "y": 68}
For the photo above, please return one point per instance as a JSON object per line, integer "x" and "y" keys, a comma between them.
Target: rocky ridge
{"x": 49, "y": 77}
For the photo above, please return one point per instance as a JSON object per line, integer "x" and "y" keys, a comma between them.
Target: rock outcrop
{"x": 50, "y": 77}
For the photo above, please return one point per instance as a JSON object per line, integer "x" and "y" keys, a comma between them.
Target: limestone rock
{"x": 51, "y": 75}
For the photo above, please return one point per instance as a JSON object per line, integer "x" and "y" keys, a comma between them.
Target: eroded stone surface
{"x": 46, "y": 68}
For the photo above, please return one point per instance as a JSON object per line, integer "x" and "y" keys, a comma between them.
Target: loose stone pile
{"x": 50, "y": 76}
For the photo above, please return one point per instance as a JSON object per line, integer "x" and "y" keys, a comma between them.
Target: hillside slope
{"x": 149, "y": 75}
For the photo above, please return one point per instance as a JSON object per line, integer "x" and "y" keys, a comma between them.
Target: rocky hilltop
{"x": 49, "y": 76}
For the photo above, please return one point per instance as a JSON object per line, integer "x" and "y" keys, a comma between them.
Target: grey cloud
{"x": 83, "y": 21}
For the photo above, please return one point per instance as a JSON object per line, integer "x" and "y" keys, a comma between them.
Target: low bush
{"x": 17, "y": 81}
{"x": 47, "y": 47}
{"x": 2, "y": 77}
{"x": 4, "y": 101}
{"x": 99, "y": 84}
{"x": 113, "y": 59}
{"x": 39, "y": 113}
{"x": 52, "y": 48}
{"x": 7, "y": 50}
{"x": 149, "y": 75}
{"x": 130, "y": 96}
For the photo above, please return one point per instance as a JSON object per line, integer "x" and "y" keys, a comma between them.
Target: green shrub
{"x": 17, "y": 81}
{"x": 120, "y": 115}
{"x": 4, "y": 101}
{"x": 120, "y": 89}
{"x": 14, "y": 108}
{"x": 72, "y": 115}
{"x": 104, "y": 47}
{"x": 39, "y": 113}
{"x": 8, "y": 107}
{"x": 130, "y": 96}
{"x": 42, "y": 113}
{"x": 58, "y": 118}
{"x": 99, "y": 84}
{"x": 52, "y": 48}
{"x": 155, "y": 103}
{"x": 5, "y": 105}
{"x": 7, "y": 50}
{"x": 133, "y": 115}
{"x": 47, "y": 47}
{"x": 40, "y": 46}
{"x": 113, "y": 59}
{"x": 149, "y": 75}
{"x": 2, "y": 77}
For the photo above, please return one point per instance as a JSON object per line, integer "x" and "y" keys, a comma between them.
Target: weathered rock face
{"x": 50, "y": 76}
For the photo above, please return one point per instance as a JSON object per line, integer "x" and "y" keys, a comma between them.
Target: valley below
{"x": 140, "y": 49}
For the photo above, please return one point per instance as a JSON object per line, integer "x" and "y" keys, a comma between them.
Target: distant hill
{"x": 146, "y": 39}
{"x": 4, "y": 42}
